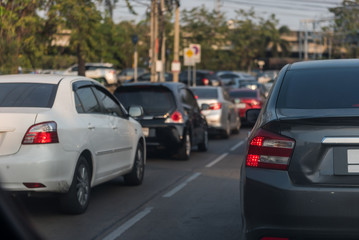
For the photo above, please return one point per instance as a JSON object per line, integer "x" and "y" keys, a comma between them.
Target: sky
{"x": 289, "y": 12}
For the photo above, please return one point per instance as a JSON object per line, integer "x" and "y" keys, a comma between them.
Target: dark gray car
{"x": 300, "y": 175}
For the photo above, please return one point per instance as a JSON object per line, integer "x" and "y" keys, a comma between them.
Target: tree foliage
{"x": 236, "y": 45}
{"x": 20, "y": 42}
{"x": 28, "y": 29}
{"x": 346, "y": 26}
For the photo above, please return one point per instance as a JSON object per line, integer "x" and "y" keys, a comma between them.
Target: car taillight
{"x": 34, "y": 185}
{"x": 269, "y": 150}
{"x": 175, "y": 117}
{"x": 41, "y": 133}
{"x": 215, "y": 106}
{"x": 205, "y": 81}
{"x": 255, "y": 102}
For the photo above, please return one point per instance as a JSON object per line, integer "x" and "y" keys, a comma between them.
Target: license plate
{"x": 353, "y": 160}
{"x": 146, "y": 131}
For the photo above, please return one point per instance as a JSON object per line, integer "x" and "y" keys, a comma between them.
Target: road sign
{"x": 196, "y": 48}
{"x": 176, "y": 67}
{"x": 188, "y": 57}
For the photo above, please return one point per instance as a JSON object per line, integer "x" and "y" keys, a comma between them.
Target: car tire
{"x": 203, "y": 146}
{"x": 227, "y": 130}
{"x": 135, "y": 177}
{"x": 238, "y": 127}
{"x": 76, "y": 200}
{"x": 184, "y": 152}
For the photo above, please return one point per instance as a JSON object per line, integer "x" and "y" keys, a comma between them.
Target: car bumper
{"x": 164, "y": 137}
{"x": 216, "y": 122}
{"x": 274, "y": 207}
{"x": 46, "y": 164}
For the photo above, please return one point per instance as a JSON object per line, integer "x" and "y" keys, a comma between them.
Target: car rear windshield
{"x": 243, "y": 94}
{"x": 320, "y": 89}
{"x": 38, "y": 95}
{"x": 205, "y": 93}
{"x": 155, "y": 101}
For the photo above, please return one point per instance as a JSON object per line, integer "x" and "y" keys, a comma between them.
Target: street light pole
{"x": 176, "y": 40}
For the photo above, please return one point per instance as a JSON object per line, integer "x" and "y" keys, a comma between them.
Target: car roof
{"x": 205, "y": 87}
{"x": 243, "y": 90}
{"x": 170, "y": 85}
{"x": 325, "y": 64}
{"x": 39, "y": 78}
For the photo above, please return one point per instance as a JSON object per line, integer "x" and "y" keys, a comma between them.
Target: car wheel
{"x": 76, "y": 200}
{"x": 203, "y": 146}
{"x": 227, "y": 130}
{"x": 238, "y": 127}
{"x": 135, "y": 177}
{"x": 185, "y": 151}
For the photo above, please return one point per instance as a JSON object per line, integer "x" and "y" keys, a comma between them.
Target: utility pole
{"x": 163, "y": 44}
{"x": 176, "y": 40}
{"x": 154, "y": 39}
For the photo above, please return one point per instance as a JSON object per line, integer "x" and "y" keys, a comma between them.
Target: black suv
{"x": 300, "y": 177}
{"x": 172, "y": 120}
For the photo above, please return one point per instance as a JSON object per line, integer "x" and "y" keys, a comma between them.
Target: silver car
{"x": 222, "y": 115}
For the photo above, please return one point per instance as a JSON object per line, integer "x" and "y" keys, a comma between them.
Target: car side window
{"x": 86, "y": 101}
{"x": 110, "y": 105}
{"x": 227, "y": 75}
{"x": 188, "y": 98}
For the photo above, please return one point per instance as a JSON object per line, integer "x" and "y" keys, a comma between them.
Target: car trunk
{"x": 326, "y": 150}
{"x": 13, "y": 126}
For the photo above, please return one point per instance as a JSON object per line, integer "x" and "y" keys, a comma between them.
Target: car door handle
{"x": 91, "y": 127}
{"x": 114, "y": 127}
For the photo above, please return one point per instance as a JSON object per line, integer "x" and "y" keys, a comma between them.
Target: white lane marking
{"x": 236, "y": 146}
{"x": 121, "y": 229}
{"x": 216, "y": 160}
{"x": 182, "y": 185}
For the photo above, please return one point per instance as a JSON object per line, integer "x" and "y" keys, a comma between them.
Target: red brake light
{"x": 215, "y": 106}
{"x": 176, "y": 117}
{"x": 41, "y": 133}
{"x": 34, "y": 185}
{"x": 205, "y": 81}
{"x": 269, "y": 150}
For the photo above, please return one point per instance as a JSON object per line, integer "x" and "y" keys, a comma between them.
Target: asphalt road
{"x": 184, "y": 200}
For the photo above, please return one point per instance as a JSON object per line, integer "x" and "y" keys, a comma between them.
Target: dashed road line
{"x": 236, "y": 146}
{"x": 217, "y": 160}
{"x": 182, "y": 185}
{"x": 121, "y": 229}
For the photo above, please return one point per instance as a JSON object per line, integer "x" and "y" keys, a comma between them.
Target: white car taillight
{"x": 41, "y": 133}
{"x": 269, "y": 150}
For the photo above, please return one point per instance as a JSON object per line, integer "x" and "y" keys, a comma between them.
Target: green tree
{"x": 209, "y": 29}
{"x": 21, "y": 34}
{"x": 254, "y": 37}
{"x": 83, "y": 20}
{"x": 346, "y": 27}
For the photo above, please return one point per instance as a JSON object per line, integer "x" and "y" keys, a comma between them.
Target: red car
{"x": 246, "y": 99}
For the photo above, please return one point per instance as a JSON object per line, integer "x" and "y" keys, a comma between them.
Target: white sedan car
{"x": 220, "y": 111}
{"x": 66, "y": 134}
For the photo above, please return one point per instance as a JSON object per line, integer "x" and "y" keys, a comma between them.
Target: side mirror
{"x": 205, "y": 106}
{"x": 135, "y": 111}
{"x": 252, "y": 115}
